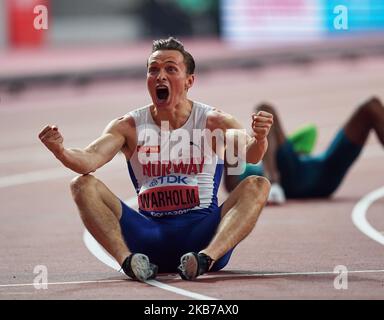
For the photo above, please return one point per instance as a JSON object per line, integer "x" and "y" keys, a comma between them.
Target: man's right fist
{"x": 52, "y": 139}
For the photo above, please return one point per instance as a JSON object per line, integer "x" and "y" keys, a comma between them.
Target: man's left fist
{"x": 261, "y": 124}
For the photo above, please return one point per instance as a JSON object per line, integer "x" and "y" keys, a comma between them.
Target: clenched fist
{"x": 261, "y": 124}
{"x": 52, "y": 139}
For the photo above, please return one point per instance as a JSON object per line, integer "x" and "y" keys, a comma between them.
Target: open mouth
{"x": 162, "y": 93}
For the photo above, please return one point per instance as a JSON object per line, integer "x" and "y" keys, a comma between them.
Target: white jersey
{"x": 168, "y": 180}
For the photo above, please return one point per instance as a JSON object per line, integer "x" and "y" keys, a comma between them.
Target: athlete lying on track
{"x": 296, "y": 175}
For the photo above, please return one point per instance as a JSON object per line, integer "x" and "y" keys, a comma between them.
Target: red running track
{"x": 291, "y": 253}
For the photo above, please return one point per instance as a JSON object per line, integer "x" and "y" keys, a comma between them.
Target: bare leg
{"x": 230, "y": 180}
{"x": 100, "y": 211}
{"x": 370, "y": 115}
{"x": 276, "y": 138}
{"x": 239, "y": 215}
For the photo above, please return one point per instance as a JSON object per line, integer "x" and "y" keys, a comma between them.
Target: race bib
{"x": 169, "y": 193}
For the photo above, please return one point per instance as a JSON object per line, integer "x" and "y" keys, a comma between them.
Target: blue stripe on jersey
{"x": 216, "y": 183}
{"x": 133, "y": 177}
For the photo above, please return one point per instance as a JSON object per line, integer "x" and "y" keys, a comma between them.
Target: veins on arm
{"x": 114, "y": 138}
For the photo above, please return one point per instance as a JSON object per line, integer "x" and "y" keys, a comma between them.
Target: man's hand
{"x": 261, "y": 124}
{"x": 96, "y": 154}
{"x": 52, "y": 139}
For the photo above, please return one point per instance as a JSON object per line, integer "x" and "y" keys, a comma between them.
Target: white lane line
{"x": 95, "y": 248}
{"x": 50, "y": 174}
{"x": 182, "y": 292}
{"x": 98, "y": 251}
{"x": 34, "y": 176}
{"x": 279, "y": 274}
{"x": 92, "y": 245}
{"x": 35, "y": 150}
{"x": 58, "y": 283}
{"x": 208, "y": 276}
{"x": 359, "y": 215}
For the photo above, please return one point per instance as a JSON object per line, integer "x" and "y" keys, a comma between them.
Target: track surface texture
{"x": 292, "y": 252}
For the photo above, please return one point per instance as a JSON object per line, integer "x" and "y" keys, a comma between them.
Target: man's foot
{"x": 138, "y": 267}
{"x": 193, "y": 265}
{"x": 276, "y": 194}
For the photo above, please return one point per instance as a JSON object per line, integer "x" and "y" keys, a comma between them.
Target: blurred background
{"x": 81, "y": 22}
{"x": 92, "y": 39}
{"x": 315, "y": 60}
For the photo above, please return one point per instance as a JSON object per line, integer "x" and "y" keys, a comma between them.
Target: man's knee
{"x": 372, "y": 107}
{"x": 81, "y": 184}
{"x": 256, "y": 185}
{"x": 375, "y": 101}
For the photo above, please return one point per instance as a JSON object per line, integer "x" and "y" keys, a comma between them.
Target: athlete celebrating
{"x": 176, "y": 171}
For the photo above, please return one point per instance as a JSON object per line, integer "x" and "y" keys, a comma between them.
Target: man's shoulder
{"x": 140, "y": 109}
{"x": 122, "y": 124}
{"x": 217, "y": 118}
{"x": 130, "y": 118}
{"x": 202, "y": 105}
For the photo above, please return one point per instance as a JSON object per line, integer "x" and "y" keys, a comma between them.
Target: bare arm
{"x": 257, "y": 145}
{"x": 96, "y": 154}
